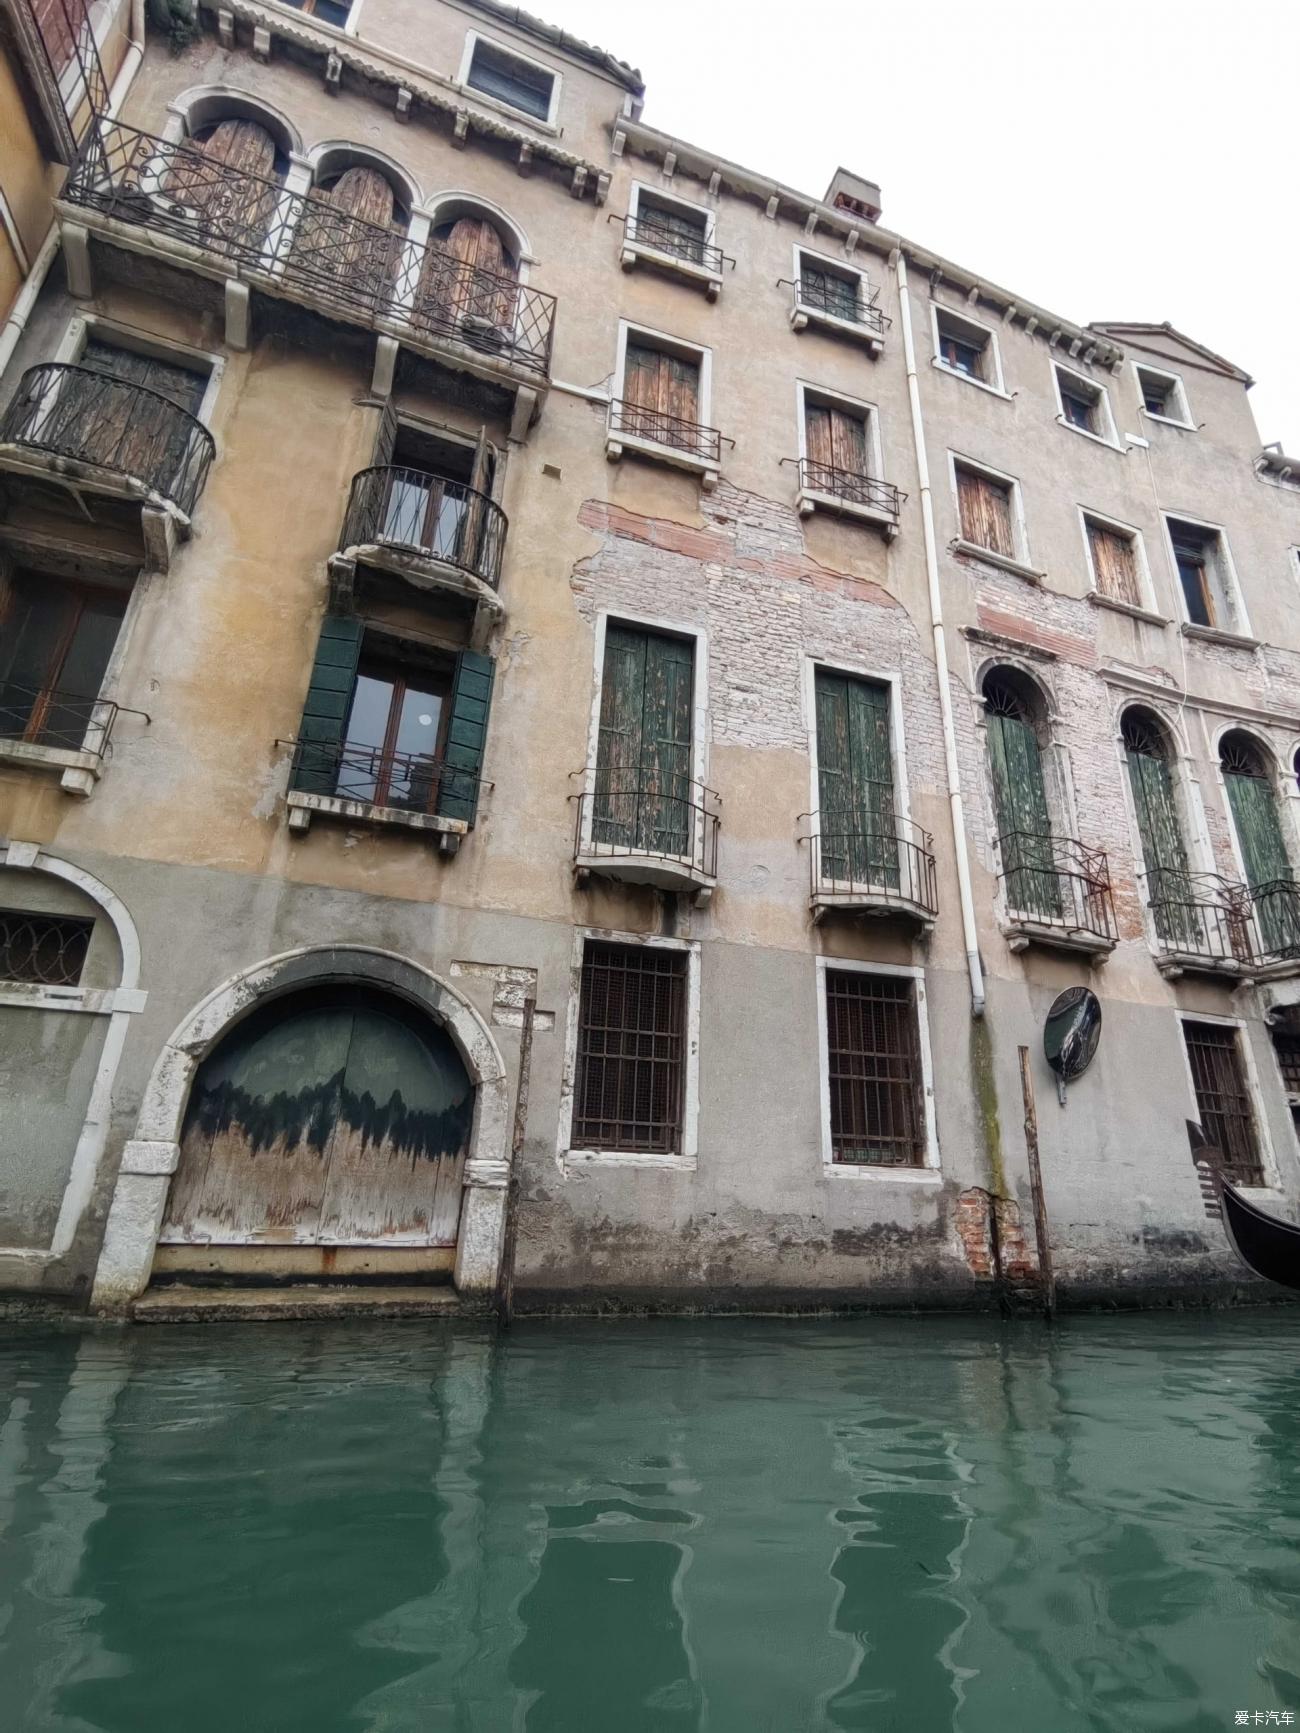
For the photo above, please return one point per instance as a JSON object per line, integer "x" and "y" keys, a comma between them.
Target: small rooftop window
{"x": 519, "y": 83}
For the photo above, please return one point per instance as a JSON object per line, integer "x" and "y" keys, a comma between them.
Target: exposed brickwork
{"x": 974, "y": 1217}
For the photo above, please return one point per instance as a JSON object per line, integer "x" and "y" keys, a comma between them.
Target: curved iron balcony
{"x": 646, "y": 826}
{"x": 1209, "y": 924}
{"x": 420, "y": 513}
{"x": 1057, "y": 892}
{"x": 113, "y": 425}
{"x": 884, "y": 866}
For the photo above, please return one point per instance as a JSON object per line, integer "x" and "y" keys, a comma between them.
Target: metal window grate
{"x": 874, "y": 1070}
{"x": 1223, "y": 1100}
{"x": 631, "y": 1048}
{"x": 46, "y": 950}
{"x": 1286, "y": 1044}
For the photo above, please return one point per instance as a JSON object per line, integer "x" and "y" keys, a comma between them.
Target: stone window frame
{"x": 1182, "y": 420}
{"x": 1245, "y": 1049}
{"x": 511, "y": 52}
{"x": 1020, "y": 561}
{"x": 1239, "y": 625}
{"x": 1064, "y": 375}
{"x": 1185, "y": 774}
{"x": 687, "y": 349}
{"x": 996, "y": 384}
{"x": 1054, "y": 751}
{"x": 930, "y": 1172}
{"x": 809, "y": 394}
{"x": 840, "y": 267}
{"x": 1146, "y": 583}
{"x": 1281, "y": 780}
{"x": 569, "y": 1160}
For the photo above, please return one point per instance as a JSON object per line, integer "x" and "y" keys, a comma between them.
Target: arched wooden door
{"x": 1258, "y": 824}
{"x": 349, "y": 234}
{"x": 469, "y": 278}
{"x": 1020, "y": 802}
{"x": 229, "y": 178}
{"x": 1164, "y": 853}
{"x": 338, "y": 1118}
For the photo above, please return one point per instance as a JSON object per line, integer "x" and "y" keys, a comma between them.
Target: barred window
{"x": 46, "y": 950}
{"x": 874, "y": 1056}
{"x": 631, "y": 1049}
{"x": 1223, "y": 1100}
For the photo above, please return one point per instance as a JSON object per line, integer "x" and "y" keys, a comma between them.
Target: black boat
{"x": 1270, "y": 1247}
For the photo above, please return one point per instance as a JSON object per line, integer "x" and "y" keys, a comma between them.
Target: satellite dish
{"x": 1071, "y": 1035}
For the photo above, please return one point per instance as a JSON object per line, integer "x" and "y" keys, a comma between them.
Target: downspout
{"x": 965, "y": 894}
{"x": 21, "y": 311}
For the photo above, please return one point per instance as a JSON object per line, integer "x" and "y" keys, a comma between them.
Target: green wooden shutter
{"x": 1163, "y": 851}
{"x": 643, "y": 752}
{"x": 1020, "y": 800}
{"x": 618, "y": 747}
{"x": 1263, "y": 849}
{"x": 325, "y": 712}
{"x": 855, "y": 775}
{"x": 471, "y": 699}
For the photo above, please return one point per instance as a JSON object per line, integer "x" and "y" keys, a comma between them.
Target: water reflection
{"x": 628, "y": 1529}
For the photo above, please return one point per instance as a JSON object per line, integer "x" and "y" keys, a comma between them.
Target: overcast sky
{"x": 1122, "y": 161}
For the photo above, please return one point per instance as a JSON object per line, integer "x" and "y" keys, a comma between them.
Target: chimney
{"x": 850, "y": 192}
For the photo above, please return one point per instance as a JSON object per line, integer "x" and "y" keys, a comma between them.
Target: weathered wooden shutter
{"x": 365, "y": 194}
{"x": 1020, "y": 802}
{"x": 661, "y": 384}
{"x": 385, "y": 434}
{"x": 242, "y": 145}
{"x": 855, "y": 776}
{"x": 643, "y": 754}
{"x": 129, "y": 431}
{"x": 1160, "y": 831}
{"x": 325, "y": 712}
{"x": 467, "y": 723}
{"x": 1259, "y": 830}
{"x": 1114, "y": 560}
{"x": 836, "y": 438}
{"x": 213, "y": 177}
{"x": 984, "y": 507}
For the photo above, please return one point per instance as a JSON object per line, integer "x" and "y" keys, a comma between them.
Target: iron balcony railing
{"x": 112, "y": 424}
{"x": 423, "y": 513}
{"x": 648, "y": 814}
{"x": 851, "y": 486}
{"x": 47, "y": 716}
{"x": 650, "y": 231}
{"x": 888, "y": 861}
{"x": 408, "y": 781}
{"x": 299, "y": 243}
{"x": 1222, "y": 923}
{"x": 814, "y": 298}
{"x": 632, "y": 421}
{"x": 1057, "y": 882}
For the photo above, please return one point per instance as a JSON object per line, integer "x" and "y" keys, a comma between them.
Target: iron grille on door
{"x": 874, "y": 1063}
{"x": 631, "y": 1047}
{"x": 1223, "y": 1100}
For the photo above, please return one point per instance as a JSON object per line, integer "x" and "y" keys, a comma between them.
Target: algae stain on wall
{"x": 986, "y": 1103}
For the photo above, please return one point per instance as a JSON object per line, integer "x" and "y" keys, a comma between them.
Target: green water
{"x": 619, "y": 1527}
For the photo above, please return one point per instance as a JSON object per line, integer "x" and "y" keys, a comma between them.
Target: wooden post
{"x": 509, "y": 1232}
{"x": 1036, "y": 1188}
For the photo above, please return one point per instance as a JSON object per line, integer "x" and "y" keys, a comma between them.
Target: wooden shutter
{"x": 234, "y": 211}
{"x": 128, "y": 431}
{"x": 984, "y": 507}
{"x": 1020, "y": 802}
{"x": 242, "y": 145}
{"x": 1163, "y": 852}
{"x": 855, "y": 777}
{"x": 467, "y": 723}
{"x": 1259, "y": 830}
{"x": 365, "y": 194}
{"x": 325, "y": 712}
{"x": 660, "y": 385}
{"x": 643, "y": 754}
{"x": 1114, "y": 559}
{"x": 836, "y": 438}
{"x": 385, "y": 434}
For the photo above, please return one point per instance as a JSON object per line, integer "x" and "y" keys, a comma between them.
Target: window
{"x": 509, "y": 78}
{"x": 984, "y": 510}
{"x": 1286, "y": 1046}
{"x": 328, "y": 11}
{"x": 630, "y": 1077}
{"x": 1085, "y": 406}
{"x": 661, "y": 395}
{"x": 1257, "y": 822}
{"x": 857, "y": 822}
{"x": 45, "y": 950}
{"x": 644, "y": 788}
{"x": 874, "y": 1073}
{"x": 828, "y": 290}
{"x": 964, "y": 347}
{"x": 1148, "y": 759}
{"x": 396, "y": 726}
{"x": 1203, "y": 573}
{"x": 1013, "y": 723}
{"x": 1113, "y": 553}
{"x": 1223, "y": 1102}
{"x": 672, "y": 228}
{"x": 1163, "y": 396}
{"x": 837, "y": 445}
{"x": 432, "y": 494}
{"x": 55, "y": 644}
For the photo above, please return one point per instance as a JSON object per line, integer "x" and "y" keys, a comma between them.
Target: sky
{"x": 1109, "y": 161}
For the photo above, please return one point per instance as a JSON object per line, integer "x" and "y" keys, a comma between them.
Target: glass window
{"x": 328, "y": 11}
{"x": 54, "y": 652}
{"x": 392, "y": 747}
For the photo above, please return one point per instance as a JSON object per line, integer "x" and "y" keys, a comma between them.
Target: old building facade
{"x": 544, "y": 674}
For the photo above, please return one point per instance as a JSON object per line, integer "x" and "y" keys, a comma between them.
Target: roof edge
{"x": 1134, "y": 330}
{"x": 554, "y": 37}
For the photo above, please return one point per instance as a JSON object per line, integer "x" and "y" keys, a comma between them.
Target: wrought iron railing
{"x": 1056, "y": 881}
{"x": 46, "y": 716}
{"x": 424, "y": 513}
{"x": 407, "y": 781}
{"x": 1221, "y": 922}
{"x": 43, "y": 950}
{"x": 850, "y": 307}
{"x": 651, "y": 231}
{"x": 113, "y": 424}
{"x": 369, "y": 274}
{"x": 635, "y": 422}
{"x": 851, "y": 486}
{"x": 64, "y": 31}
{"x": 643, "y": 812}
{"x": 887, "y": 861}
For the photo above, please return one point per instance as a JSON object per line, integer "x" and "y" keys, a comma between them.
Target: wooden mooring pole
{"x": 510, "y": 1227}
{"x": 1036, "y": 1188}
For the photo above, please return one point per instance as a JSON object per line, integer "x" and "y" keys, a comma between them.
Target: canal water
{"x": 760, "y": 1526}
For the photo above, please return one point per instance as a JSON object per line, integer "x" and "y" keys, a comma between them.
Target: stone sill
{"x": 1095, "y": 599}
{"x": 967, "y": 379}
{"x": 664, "y": 872}
{"x": 1168, "y": 421}
{"x": 1087, "y": 433}
{"x": 304, "y": 807}
{"x": 877, "y": 905}
{"x": 634, "y": 251}
{"x": 809, "y": 500}
{"x": 891, "y": 1175}
{"x": 1020, "y": 934}
{"x": 1217, "y": 635}
{"x": 1172, "y": 964}
{"x": 628, "y": 1158}
{"x": 79, "y": 771}
{"x": 162, "y": 524}
{"x": 1003, "y": 562}
{"x": 618, "y": 443}
{"x": 802, "y": 315}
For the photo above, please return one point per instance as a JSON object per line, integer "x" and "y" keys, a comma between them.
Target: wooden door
{"x": 229, "y": 180}
{"x": 1020, "y": 802}
{"x": 1258, "y": 825}
{"x": 855, "y": 780}
{"x": 836, "y": 439}
{"x": 469, "y": 279}
{"x": 127, "y": 430}
{"x": 349, "y": 235}
{"x": 661, "y": 396}
{"x": 340, "y": 1120}
{"x": 643, "y": 760}
{"x": 1160, "y": 829}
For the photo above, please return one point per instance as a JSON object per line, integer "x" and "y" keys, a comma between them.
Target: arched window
{"x": 471, "y": 276}
{"x": 1149, "y": 761}
{"x": 1015, "y": 720}
{"x": 1252, "y": 801}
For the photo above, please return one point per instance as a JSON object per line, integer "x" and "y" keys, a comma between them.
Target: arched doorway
{"x": 339, "y": 1116}
{"x": 1014, "y": 723}
{"x": 1149, "y": 759}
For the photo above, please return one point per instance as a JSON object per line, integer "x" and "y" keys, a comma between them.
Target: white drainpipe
{"x": 965, "y": 893}
{"x": 21, "y": 311}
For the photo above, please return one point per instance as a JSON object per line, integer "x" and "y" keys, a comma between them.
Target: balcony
{"x": 1208, "y": 925}
{"x": 370, "y": 786}
{"x": 838, "y": 311}
{"x": 49, "y": 729}
{"x": 651, "y": 241}
{"x": 1057, "y": 895}
{"x": 132, "y": 190}
{"x": 822, "y": 487}
{"x": 98, "y": 439}
{"x": 628, "y": 828}
{"x": 885, "y": 872}
{"x": 436, "y": 535}
{"x": 668, "y": 438}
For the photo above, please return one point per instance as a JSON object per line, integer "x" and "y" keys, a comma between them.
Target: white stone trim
{"x": 214, "y": 102}
{"x": 405, "y": 187}
{"x": 1101, "y": 395}
{"x": 1239, "y": 625}
{"x": 916, "y": 974}
{"x": 1145, "y": 584}
{"x": 1019, "y": 530}
{"x": 1184, "y": 419}
{"x": 938, "y": 310}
